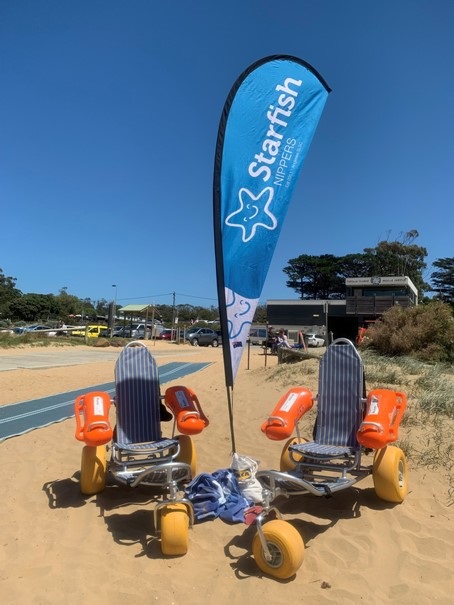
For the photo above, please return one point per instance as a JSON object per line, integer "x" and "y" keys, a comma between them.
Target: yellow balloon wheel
{"x": 174, "y": 529}
{"x": 390, "y": 474}
{"x": 187, "y": 453}
{"x": 286, "y": 463}
{"x": 286, "y": 549}
{"x": 93, "y": 469}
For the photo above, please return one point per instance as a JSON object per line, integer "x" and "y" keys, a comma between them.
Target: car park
{"x": 203, "y": 337}
{"x": 314, "y": 340}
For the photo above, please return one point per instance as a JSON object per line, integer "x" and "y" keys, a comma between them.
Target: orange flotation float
{"x": 92, "y": 418}
{"x": 384, "y": 411}
{"x": 289, "y": 409}
{"x": 186, "y": 408}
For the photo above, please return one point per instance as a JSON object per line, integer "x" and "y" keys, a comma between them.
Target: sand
{"x": 59, "y": 547}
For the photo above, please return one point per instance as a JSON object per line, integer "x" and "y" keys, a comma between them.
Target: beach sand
{"x": 59, "y": 547}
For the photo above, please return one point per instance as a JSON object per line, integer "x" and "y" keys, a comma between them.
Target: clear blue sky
{"x": 109, "y": 112}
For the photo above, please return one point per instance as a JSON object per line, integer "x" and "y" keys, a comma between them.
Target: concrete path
{"x": 55, "y": 358}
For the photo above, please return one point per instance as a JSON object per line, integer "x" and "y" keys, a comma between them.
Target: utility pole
{"x": 114, "y": 311}
{"x": 173, "y": 315}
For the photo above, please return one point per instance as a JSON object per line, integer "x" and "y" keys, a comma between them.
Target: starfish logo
{"x": 253, "y": 212}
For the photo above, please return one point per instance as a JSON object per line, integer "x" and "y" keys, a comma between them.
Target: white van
{"x": 258, "y": 335}
{"x": 153, "y": 331}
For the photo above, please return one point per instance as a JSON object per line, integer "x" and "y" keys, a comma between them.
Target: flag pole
{"x": 230, "y": 406}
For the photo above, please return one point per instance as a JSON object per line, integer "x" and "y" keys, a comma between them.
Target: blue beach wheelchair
{"x": 139, "y": 454}
{"x": 348, "y": 426}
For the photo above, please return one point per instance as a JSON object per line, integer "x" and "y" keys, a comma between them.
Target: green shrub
{"x": 425, "y": 332}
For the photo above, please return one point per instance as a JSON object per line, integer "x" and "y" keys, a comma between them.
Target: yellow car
{"x": 93, "y": 331}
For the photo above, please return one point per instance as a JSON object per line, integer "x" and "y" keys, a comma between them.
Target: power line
{"x": 192, "y": 296}
{"x": 153, "y": 296}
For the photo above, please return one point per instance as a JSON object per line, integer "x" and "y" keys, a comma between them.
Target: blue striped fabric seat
{"x": 137, "y": 397}
{"x": 340, "y": 402}
{"x": 340, "y": 396}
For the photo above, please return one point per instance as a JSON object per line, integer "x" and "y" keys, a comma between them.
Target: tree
{"x": 34, "y": 307}
{"x": 396, "y": 258}
{"x": 102, "y": 307}
{"x": 315, "y": 276}
{"x": 87, "y": 308}
{"x": 185, "y": 313}
{"x": 189, "y": 313}
{"x": 260, "y": 315}
{"x": 354, "y": 265}
{"x": 324, "y": 276}
{"x": 443, "y": 279}
{"x": 8, "y": 294}
{"x": 68, "y": 305}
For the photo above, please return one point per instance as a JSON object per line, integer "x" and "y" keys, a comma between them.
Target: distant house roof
{"x": 135, "y": 308}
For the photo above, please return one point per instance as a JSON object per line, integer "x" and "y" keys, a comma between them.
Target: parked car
{"x": 203, "y": 337}
{"x": 314, "y": 340}
{"x": 117, "y": 331}
{"x": 36, "y": 328}
{"x": 258, "y": 336}
{"x": 93, "y": 331}
{"x": 138, "y": 331}
{"x": 157, "y": 330}
{"x": 167, "y": 334}
{"x": 130, "y": 331}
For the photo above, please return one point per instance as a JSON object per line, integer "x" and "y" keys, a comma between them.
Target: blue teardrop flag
{"x": 266, "y": 128}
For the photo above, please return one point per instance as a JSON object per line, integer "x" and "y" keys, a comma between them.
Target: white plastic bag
{"x": 245, "y": 468}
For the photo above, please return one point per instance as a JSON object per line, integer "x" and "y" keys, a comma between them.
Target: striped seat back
{"x": 340, "y": 396}
{"x": 137, "y": 396}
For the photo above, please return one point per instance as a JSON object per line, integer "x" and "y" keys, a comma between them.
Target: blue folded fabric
{"x": 217, "y": 495}
{"x": 206, "y": 496}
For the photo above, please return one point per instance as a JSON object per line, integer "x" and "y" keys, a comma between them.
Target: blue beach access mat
{"x": 19, "y": 418}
